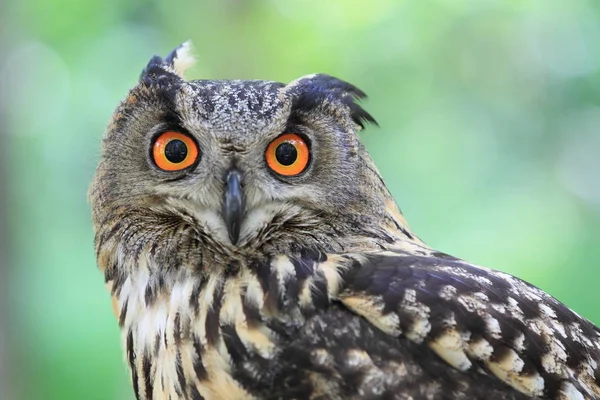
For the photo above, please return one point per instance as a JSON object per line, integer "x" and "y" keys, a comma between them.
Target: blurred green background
{"x": 489, "y": 139}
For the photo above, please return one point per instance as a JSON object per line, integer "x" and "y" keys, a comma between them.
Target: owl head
{"x": 238, "y": 166}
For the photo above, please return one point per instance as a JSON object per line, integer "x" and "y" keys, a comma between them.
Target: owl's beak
{"x": 233, "y": 204}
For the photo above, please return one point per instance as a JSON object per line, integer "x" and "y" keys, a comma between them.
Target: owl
{"x": 253, "y": 251}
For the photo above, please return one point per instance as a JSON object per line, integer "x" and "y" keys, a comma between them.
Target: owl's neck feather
{"x": 180, "y": 332}
{"x": 181, "y": 320}
{"x": 181, "y": 326}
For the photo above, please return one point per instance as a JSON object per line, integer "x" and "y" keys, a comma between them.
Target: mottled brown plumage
{"x": 231, "y": 281}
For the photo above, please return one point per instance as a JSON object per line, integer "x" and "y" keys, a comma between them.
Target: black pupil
{"x": 286, "y": 153}
{"x": 176, "y": 151}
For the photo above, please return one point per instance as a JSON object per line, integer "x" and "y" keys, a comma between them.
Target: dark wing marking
{"x": 476, "y": 318}
{"x": 343, "y": 356}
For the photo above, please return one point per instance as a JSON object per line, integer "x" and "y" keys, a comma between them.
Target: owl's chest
{"x": 197, "y": 340}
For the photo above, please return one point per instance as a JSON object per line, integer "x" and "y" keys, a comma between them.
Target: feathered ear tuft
{"x": 181, "y": 58}
{"x": 311, "y": 91}
{"x": 172, "y": 67}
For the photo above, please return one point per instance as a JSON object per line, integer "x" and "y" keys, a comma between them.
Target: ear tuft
{"x": 312, "y": 91}
{"x": 171, "y": 68}
{"x": 181, "y": 58}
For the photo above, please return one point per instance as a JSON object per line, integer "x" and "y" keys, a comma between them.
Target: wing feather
{"x": 477, "y": 318}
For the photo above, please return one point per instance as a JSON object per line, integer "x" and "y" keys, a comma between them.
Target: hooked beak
{"x": 233, "y": 204}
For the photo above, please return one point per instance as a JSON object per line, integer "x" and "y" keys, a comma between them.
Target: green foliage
{"x": 489, "y": 140}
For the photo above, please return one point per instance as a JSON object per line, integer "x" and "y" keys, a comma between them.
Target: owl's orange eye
{"x": 174, "y": 151}
{"x": 287, "y": 155}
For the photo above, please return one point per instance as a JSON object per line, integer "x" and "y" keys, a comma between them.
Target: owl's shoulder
{"x": 477, "y": 319}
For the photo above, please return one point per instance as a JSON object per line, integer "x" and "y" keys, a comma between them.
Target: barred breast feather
{"x": 390, "y": 324}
